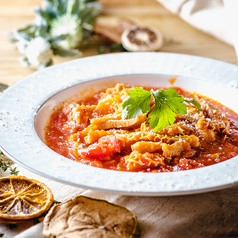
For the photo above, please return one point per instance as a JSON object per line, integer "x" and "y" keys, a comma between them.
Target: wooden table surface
{"x": 179, "y": 37}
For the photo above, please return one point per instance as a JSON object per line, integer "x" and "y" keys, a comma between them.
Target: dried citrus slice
{"x": 141, "y": 38}
{"x": 22, "y": 198}
{"x": 88, "y": 217}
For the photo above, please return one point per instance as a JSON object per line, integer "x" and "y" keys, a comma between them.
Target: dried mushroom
{"x": 141, "y": 38}
{"x": 87, "y": 217}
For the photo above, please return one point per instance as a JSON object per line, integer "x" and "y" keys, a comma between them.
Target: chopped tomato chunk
{"x": 185, "y": 164}
{"x": 103, "y": 149}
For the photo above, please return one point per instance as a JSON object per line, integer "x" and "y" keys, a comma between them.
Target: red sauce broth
{"x": 57, "y": 139}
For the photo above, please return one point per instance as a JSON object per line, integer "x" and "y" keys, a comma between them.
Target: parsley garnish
{"x": 168, "y": 103}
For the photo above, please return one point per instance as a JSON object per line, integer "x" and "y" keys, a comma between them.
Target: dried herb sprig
{"x": 7, "y": 165}
{"x": 112, "y": 47}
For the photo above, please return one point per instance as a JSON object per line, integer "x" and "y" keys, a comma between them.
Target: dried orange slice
{"x": 22, "y": 198}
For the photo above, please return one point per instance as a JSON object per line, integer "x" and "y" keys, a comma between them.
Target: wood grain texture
{"x": 179, "y": 37}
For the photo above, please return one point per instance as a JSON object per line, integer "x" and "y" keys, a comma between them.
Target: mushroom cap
{"x": 88, "y": 217}
{"x": 142, "y": 38}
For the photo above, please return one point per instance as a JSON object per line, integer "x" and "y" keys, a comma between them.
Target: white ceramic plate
{"x": 26, "y": 106}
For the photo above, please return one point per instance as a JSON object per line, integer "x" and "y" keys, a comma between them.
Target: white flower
{"x": 40, "y": 21}
{"x": 38, "y": 52}
{"x": 45, "y": 4}
{"x": 21, "y": 46}
{"x": 24, "y": 62}
{"x": 67, "y": 25}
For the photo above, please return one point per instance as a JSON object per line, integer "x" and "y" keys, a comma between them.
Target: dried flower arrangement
{"x": 59, "y": 28}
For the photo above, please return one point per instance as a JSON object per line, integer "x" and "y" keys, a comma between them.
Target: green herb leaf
{"x": 172, "y": 99}
{"x": 56, "y": 202}
{"x": 168, "y": 103}
{"x": 7, "y": 165}
{"x": 90, "y": 12}
{"x": 61, "y": 6}
{"x": 2, "y": 88}
{"x": 20, "y": 36}
{"x": 62, "y": 52}
{"x": 26, "y": 28}
{"x": 194, "y": 102}
{"x": 55, "y": 40}
{"x": 14, "y": 171}
{"x": 43, "y": 14}
{"x": 139, "y": 102}
{"x": 161, "y": 117}
{"x": 75, "y": 7}
{"x": 101, "y": 50}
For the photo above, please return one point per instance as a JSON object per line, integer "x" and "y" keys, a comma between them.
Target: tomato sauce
{"x": 107, "y": 153}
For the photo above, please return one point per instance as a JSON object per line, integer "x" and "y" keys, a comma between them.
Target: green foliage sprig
{"x": 59, "y": 28}
{"x": 168, "y": 103}
{"x": 7, "y": 165}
